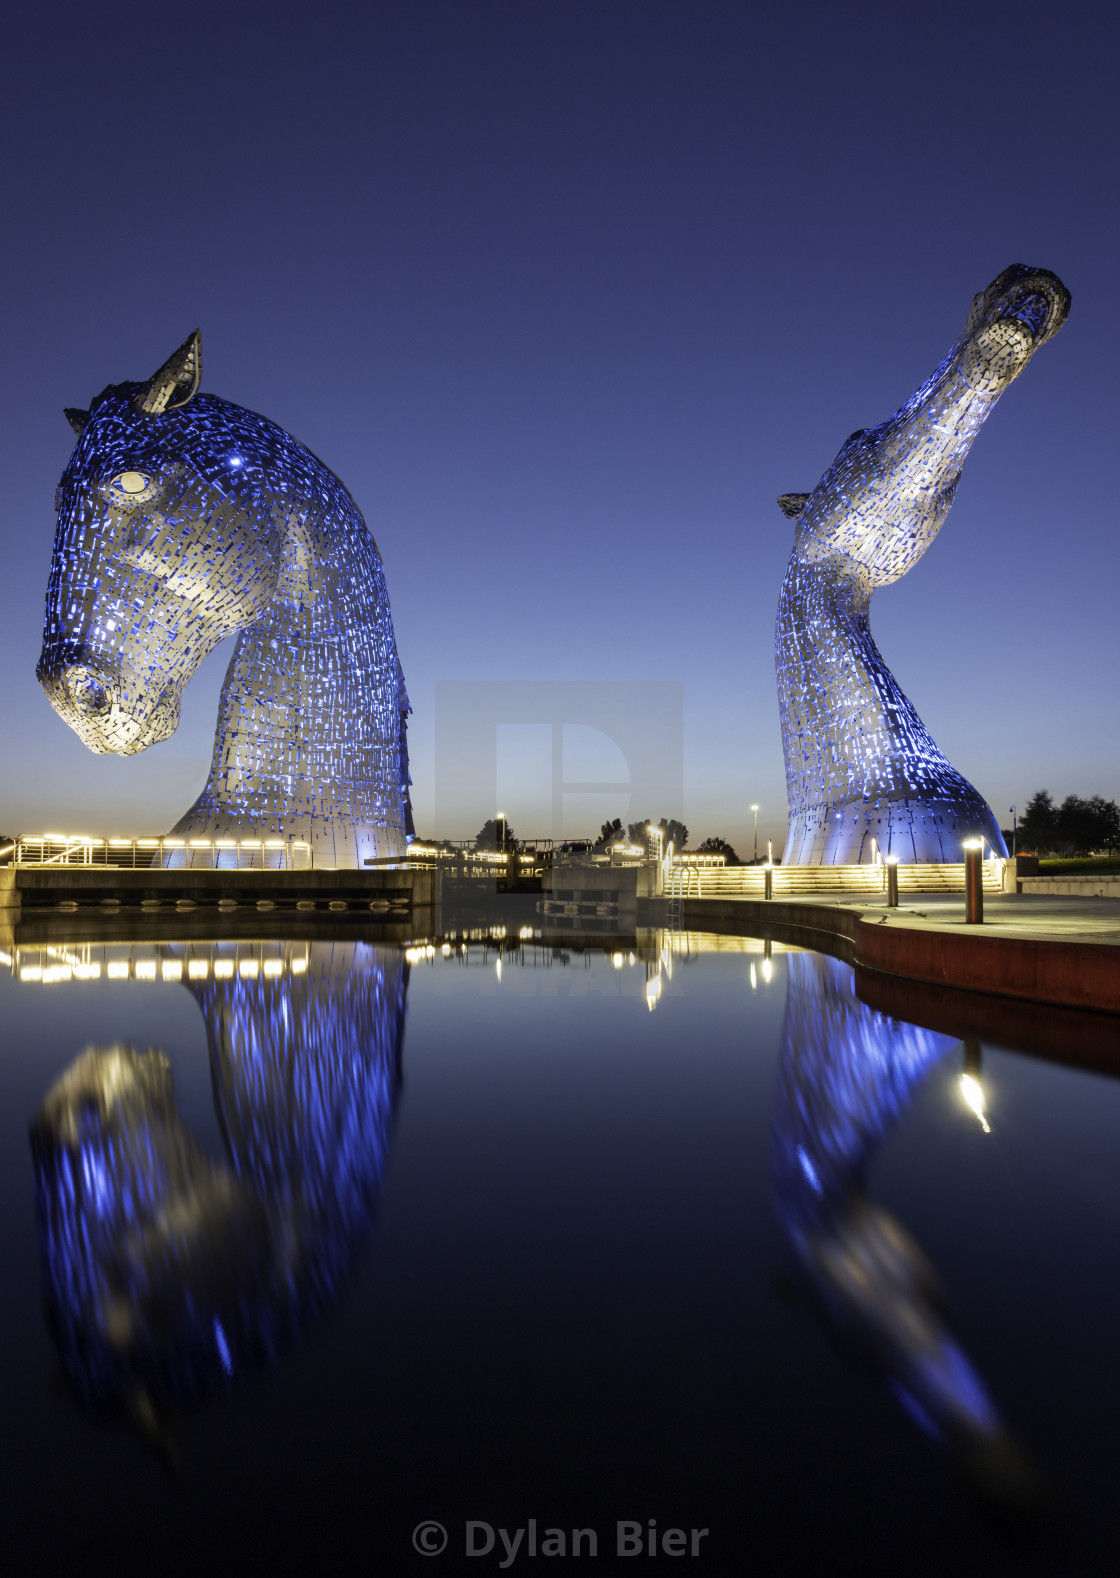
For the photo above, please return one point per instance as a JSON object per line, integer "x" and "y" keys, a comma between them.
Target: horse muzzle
{"x": 108, "y": 710}
{"x": 1020, "y": 310}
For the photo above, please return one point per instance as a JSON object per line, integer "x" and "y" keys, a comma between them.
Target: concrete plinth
{"x": 37, "y": 887}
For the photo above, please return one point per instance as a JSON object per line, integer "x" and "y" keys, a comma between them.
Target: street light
{"x": 1014, "y": 831}
{"x": 754, "y": 808}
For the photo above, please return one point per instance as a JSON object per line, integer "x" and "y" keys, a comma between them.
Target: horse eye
{"x": 132, "y": 481}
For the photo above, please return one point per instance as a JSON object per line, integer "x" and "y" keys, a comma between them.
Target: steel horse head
{"x": 861, "y": 766}
{"x": 182, "y": 519}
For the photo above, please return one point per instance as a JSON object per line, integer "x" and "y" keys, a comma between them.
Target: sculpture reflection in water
{"x": 171, "y": 1275}
{"x": 847, "y": 1074}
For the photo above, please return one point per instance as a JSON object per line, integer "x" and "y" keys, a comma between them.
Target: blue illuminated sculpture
{"x": 860, "y": 764}
{"x": 847, "y": 1075}
{"x": 182, "y": 519}
{"x": 169, "y": 1275}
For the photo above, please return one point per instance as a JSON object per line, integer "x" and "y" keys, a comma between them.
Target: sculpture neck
{"x": 860, "y": 763}
{"x": 883, "y": 527}
{"x": 308, "y": 737}
{"x": 825, "y": 647}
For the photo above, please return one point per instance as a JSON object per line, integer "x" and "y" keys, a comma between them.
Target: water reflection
{"x": 846, "y": 1075}
{"x": 169, "y": 1275}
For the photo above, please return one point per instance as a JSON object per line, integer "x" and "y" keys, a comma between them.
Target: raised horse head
{"x": 861, "y": 767}
{"x": 182, "y": 519}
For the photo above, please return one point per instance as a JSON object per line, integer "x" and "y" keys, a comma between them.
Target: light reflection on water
{"x": 177, "y": 1270}
{"x": 169, "y": 1273}
{"x": 846, "y": 1076}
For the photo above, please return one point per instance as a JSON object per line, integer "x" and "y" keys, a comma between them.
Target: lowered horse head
{"x": 182, "y": 519}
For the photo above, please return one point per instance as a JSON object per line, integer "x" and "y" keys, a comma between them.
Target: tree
{"x": 1038, "y": 826}
{"x": 719, "y": 846}
{"x": 672, "y": 831}
{"x": 1086, "y": 826}
{"x": 489, "y": 837}
{"x": 1079, "y": 826}
{"x": 611, "y": 833}
{"x": 675, "y": 832}
{"x": 1107, "y": 829}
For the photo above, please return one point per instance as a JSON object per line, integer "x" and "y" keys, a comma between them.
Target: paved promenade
{"x": 1022, "y": 915}
{"x": 1040, "y": 948}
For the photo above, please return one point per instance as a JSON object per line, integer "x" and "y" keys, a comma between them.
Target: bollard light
{"x": 768, "y": 880}
{"x": 973, "y": 882}
{"x": 891, "y": 863}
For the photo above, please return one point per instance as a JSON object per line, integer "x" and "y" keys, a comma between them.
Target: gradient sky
{"x": 567, "y": 293}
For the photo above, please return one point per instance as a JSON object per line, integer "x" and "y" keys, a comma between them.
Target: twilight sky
{"x": 567, "y": 294}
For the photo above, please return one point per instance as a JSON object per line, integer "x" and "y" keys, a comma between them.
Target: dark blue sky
{"x": 567, "y": 294}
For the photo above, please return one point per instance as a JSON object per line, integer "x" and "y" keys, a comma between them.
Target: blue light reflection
{"x": 168, "y": 1273}
{"x": 847, "y": 1074}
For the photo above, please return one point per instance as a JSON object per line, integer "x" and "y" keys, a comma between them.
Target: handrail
{"x": 790, "y": 881}
{"x": 52, "y": 849}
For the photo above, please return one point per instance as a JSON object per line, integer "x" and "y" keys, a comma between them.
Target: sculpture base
{"x": 337, "y": 846}
{"x": 919, "y": 832}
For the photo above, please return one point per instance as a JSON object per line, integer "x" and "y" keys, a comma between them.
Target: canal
{"x": 315, "y": 1247}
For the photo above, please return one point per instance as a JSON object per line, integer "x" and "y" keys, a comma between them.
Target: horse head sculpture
{"x": 182, "y": 519}
{"x": 860, "y": 763}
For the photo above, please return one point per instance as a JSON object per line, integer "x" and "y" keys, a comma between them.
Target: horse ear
{"x": 791, "y": 504}
{"x": 180, "y": 372}
{"x": 77, "y": 419}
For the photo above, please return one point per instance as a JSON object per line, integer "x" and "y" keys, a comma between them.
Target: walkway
{"x": 1040, "y": 948}
{"x": 1039, "y": 915}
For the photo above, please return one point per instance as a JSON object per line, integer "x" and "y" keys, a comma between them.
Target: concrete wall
{"x": 35, "y": 886}
{"x": 1103, "y": 887}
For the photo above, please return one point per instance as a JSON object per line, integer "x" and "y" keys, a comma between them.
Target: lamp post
{"x": 754, "y": 808}
{"x": 1014, "y": 831}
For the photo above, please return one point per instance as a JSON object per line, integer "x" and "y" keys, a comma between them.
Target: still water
{"x": 333, "y": 1239}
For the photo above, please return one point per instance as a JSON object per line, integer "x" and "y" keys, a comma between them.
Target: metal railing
{"x": 687, "y": 881}
{"x": 175, "y": 854}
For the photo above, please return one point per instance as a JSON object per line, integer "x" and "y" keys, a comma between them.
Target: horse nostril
{"x": 1032, "y": 310}
{"x": 87, "y": 693}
